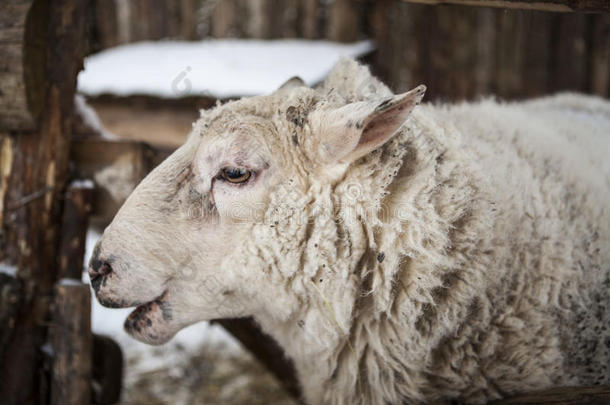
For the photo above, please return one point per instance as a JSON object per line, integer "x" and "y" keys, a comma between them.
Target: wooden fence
{"x": 457, "y": 51}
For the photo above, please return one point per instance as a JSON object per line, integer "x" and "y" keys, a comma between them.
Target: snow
{"x": 8, "y": 269}
{"x": 90, "y": 117}
{"x": 84, "y": 183}
{"x": 218, "y": 68}
{"x": 47, "y": 349}
{"x": 68, "y": 282}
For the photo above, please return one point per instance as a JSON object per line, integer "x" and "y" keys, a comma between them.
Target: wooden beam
{"x": 589, "y": 6}
{"x": 266, "y": 350}
{"x": 562, "y": 396}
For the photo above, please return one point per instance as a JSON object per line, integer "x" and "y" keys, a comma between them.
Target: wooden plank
{"x": 107, "y": 371}
{"x": 343, "y": 23}
{"x": 562, "y": 396}
{"x": 600, "y": 56}
{"x": 534, "y": 72}
{"x": 592, "y": 6}
{"x": 568, "y": 69}
{"x": 510, "y": 37}
{"x": 75, "y": 222}
{"x": 266, "y": 350}
{"x": 308, "y": 18}
{"x": 71, "y": 344}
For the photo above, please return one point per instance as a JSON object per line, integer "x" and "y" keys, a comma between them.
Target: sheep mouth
{"x": 149, "y": 322}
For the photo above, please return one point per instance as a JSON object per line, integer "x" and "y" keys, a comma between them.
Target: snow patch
{"x": 47, "y": 349}
{"x": 90, "y": 117}
{"x": 8, "y": 269}
{"x": 70, "y": 282}
{"x": 218, "y": 68}
{"x": 85, "y": 183}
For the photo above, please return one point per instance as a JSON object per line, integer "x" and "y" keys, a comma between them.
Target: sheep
{"x": 397, "y": 252}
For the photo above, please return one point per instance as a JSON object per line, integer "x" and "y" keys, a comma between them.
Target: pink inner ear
{"x": 375, "y": 123}
{"x": 383, "y": 125}
{"x": 386, "y": 120}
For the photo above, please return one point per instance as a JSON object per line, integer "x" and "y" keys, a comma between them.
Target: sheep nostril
{"x": 105, "y": 269}
{"x": 98, "y": 270}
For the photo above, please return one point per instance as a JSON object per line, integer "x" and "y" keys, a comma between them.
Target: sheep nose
{"x": 97, "y": 270}
{"x": 102, "y": 269}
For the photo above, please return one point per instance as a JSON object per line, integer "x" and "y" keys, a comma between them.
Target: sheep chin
{"x": 150, "y": 323}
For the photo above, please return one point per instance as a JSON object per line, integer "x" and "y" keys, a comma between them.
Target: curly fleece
{"x": 481, "y": 271}
{"x": 466, "y": 258}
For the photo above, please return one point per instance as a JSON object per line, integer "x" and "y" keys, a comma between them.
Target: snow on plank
{"x": 214, "y": 68}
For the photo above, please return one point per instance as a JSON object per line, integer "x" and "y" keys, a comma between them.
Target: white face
{"x": 165, "y": 249}
{"x": 198, "y": 239}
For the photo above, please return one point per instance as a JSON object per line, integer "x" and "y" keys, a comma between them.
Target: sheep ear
{"x": 356, "y": 129}
{"x": 292, "y": 83}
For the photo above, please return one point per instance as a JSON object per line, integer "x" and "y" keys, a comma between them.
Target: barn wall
{"x": 459, "y": 52}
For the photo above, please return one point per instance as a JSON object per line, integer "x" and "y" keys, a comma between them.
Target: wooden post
{"x": 71, "y": 343}
{"x": 107, "y": 371}
{"x": 34, "y": 139}
{"x": 70, "y": 334}
{"x": 77, "y": 207}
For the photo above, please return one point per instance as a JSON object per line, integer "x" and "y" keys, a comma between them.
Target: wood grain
{"x": 542, "y": 5}
{"x": 34, "y": 172}
{"x": 72, "y": 344}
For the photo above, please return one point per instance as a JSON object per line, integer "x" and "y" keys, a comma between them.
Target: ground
{"x": 213, "y": 374}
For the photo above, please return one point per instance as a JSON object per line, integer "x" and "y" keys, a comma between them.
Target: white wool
{"x": 464, "y": 259}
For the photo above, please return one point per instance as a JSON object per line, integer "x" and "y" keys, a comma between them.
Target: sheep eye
{"x": 236, "y": 174}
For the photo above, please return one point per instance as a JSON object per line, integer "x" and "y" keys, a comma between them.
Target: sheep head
{"x": 221, "y": 228}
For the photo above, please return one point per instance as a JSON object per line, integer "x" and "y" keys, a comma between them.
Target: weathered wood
{"x": 103, "y": 25}
{"x": 534, "y": 72}
{"x": 599, "y": 79}
{"x": 344, "y": 19}
{"x": 543, "y": 5}
{"x": 224, "y": 19}
{"x": 562, "y": 396}
{"x": 77, "y": 207}
{"x": 570, "y": 61}
{"x": 136, "y": 20}
{"x": 107, "y": 371}
{"x": 72, "y": 344}
{"x": 11, "y": 297}
{"x": 34, "y": 171}
{"x": 466, "y": 52}
{"x": 510, "y": 53}
{"x": 266, "y": 350}
{"x": 17, "y": 111}
{"x": 309, "y": 19}
{"x": 140, "y": 118}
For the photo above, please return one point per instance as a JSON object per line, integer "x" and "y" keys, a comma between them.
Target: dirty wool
{"x": 397, "y": 251}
